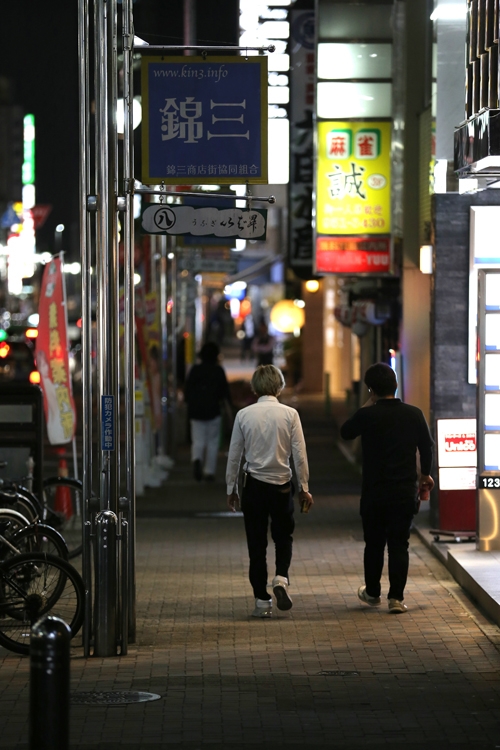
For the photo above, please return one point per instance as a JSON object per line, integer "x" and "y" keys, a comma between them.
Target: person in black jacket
{"x": 205, "y": 390}
{"x": 391, "y": 433}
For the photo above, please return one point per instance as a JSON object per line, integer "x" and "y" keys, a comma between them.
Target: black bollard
{"x": 49, "y": 684}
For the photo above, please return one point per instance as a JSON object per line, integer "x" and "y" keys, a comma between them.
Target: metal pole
{"x": 174, "y": 333}
{"x": 128, "y": 544}
{"x": 84, "y": 84}
{"x": 165, "y": 395}
{"x": 107, "y": 323}
{"x": 49, "y": 684}
{"x": 105, "y": 635}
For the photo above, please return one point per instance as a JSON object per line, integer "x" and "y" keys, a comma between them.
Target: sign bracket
{"x": 249, "y": 198}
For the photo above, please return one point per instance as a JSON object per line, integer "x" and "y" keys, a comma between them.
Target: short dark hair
{"x": 381, "y": 379}
{"x": 209, "y": 352}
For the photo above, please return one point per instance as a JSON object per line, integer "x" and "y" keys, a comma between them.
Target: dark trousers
{"x": 259, "y": 502}
{"x": 385, "y": 524}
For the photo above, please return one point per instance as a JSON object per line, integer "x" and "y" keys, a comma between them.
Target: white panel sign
{"x": 456, "y": 443}
{"x": 457, "y": 478}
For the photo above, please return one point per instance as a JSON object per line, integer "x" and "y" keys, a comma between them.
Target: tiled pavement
{"x": 329, "y": 673}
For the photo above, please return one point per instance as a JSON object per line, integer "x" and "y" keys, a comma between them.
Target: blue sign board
{"x": 107, "y": 423}
{"x": 204, "y": 120}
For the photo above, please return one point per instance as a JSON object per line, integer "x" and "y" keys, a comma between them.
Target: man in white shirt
{"x": 267, "y": 434}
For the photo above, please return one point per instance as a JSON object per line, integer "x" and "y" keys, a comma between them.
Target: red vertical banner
{"x": 52, "y": 357}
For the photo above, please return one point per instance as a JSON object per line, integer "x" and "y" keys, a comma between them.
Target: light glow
{"x": 450, "y": 12}
{"x": 364, "y": 99}
{"x": 120, "y": 115}
{"x": 426, "y": 259}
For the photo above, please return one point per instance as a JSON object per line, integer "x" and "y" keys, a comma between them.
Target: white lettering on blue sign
{"x": 107, "y": 423}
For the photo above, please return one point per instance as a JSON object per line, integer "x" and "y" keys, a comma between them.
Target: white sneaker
{"x": 280, "y": 591}
{"x": 373, "y": 601}
{"x": 263, "y": 608}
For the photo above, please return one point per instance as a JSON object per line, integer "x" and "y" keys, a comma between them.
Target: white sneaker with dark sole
{"x": 396, "y": 607}
{"x": 263, "y": 608}
{"x": 372, "y": 601}
{"x": 280, "y": 591}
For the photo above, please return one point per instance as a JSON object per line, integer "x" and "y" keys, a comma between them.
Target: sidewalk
{"x": 329, "y": 673}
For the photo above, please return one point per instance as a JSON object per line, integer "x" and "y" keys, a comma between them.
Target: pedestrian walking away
{"x": 267, "y": 434}
{"x": 391, "y": 434}
{"x": 206, "y": 389}
{"x": 263, "y": 346}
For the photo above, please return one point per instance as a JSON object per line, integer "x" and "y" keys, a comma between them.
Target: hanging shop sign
{"x": 52, "y": 358}
{"x": 204, "y": 120}
{"x": 161, "y": 218}
{"x": 302, "y": 86}
{"x": 353, "y": 203}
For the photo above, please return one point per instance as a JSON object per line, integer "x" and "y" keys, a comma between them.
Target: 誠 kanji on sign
{"x": 205, "y": 120}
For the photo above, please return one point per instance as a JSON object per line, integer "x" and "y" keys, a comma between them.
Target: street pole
{"x": 86, "y": 263}
{"x": 106, "y": 177}
{"x": 129, "y": 540}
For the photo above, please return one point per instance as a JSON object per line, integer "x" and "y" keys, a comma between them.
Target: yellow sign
{"x": 354, "y": 178}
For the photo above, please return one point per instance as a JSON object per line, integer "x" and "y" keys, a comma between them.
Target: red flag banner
{"x": 52, "y": 357}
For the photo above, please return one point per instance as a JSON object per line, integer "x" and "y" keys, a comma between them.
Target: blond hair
{"x": 267, "y": 380}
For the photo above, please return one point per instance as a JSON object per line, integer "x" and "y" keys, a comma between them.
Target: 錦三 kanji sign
{"x": 204, "y": 120}
{"x": 160, "y": 218}
{"x": 353, "y": 203}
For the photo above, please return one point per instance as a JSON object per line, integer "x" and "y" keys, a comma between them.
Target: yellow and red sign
{"x": 353, "y": 203}
{"x": 52, "y": 358}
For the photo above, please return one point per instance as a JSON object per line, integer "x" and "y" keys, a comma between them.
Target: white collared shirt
{"x": 268, "y": 433}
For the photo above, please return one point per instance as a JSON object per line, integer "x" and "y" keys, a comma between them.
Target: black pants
{"x": 259, "y": 502}
{"x": 386, "y": 524}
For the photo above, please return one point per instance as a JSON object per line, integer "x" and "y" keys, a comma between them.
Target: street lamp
{"x": 58, "y": 238}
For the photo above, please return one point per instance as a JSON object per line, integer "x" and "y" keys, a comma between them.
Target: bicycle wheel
{"x": 13, "y": 500}
{"x": 11, "y": 521}
{"x": 63, "y": 496}
{"x": 37, "y": 537}
{"x": 32, "y": 585}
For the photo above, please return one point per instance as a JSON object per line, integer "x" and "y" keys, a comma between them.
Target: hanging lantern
{"x": 287, "y": 317}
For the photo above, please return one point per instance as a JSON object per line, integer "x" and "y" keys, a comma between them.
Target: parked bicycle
{"x": 59, "y": 507}
{"x": 33, "y": 584}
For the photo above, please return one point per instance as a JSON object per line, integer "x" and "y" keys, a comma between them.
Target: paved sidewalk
{"x": 329, "y": 673}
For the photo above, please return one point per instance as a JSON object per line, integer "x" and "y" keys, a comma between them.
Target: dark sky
{"x": 39, "y": 54}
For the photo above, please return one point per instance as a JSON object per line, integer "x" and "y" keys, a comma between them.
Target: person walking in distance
{"x": 391, "y": 433}
{"x": 263, "y": 345}
{"x": 267, "y": 433}
{"x": 205, "y": 390}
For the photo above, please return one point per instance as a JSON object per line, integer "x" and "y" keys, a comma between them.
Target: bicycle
{"x": 68, "y": 521}
{"x": 33, "y": 584}
{"x": 35, "y": 537}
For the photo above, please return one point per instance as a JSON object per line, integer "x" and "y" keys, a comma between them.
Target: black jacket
{"x": 391, "y": 432}
{"x": 206, "y": 386}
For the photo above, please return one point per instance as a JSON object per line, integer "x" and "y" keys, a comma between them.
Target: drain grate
{"x": 113, "y": 698}
{"x": 337, "y": 673}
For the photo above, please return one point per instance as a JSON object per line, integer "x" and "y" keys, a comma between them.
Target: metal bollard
{"x": 106, "y": 573}
{"x": 49, "y": 684}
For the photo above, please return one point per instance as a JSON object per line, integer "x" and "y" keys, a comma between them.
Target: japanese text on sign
{"x": 52, "y": 357}
{"x": 205, "y": 222}
{"x": 205, "y": 119}
{"x": 108, "y": 423}
{"x": 354, "y": 178}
